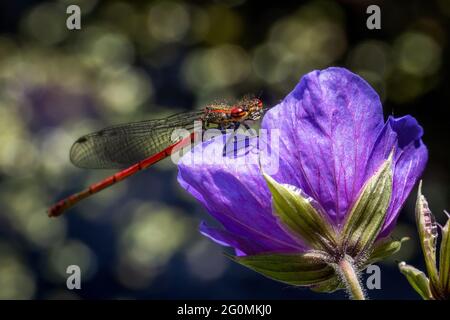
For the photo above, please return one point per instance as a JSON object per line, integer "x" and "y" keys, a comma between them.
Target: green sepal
{"x": 427, "y": 229}
{"x": 305, "y": 269}
{"x": 367, "y": 215}
{"x": 417, "y": 279}
{"x": 444, "y": 260}
{"x": 329, "y": 286}
{"x": 384, "y": 249}
{"x": 300, "y": 217}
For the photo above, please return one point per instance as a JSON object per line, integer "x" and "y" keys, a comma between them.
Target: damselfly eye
{"x": 237, "y": 112}
{"x": 259, "y": 103}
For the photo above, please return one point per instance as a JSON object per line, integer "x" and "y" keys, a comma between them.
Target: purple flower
{"x": 333, "y": 139}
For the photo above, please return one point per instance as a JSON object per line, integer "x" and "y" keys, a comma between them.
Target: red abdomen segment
{"x": 61, "y": 206}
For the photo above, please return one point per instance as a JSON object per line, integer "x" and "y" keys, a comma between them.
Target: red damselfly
{"x": 138, "y": 145}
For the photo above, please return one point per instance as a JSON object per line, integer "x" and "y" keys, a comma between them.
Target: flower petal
{"x": 234, "y": 192}
{"x": 402, "y": 134}
{"x": 329, "y": 124}
{"x": 242, "y": 245}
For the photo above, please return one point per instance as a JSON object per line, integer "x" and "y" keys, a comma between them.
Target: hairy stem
{"x": 350, "y": 278}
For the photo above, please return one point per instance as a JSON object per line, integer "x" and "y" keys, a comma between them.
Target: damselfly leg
{"x": 232, "y": 140}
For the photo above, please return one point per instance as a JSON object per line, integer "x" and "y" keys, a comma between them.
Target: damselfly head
{"x": 253, "y": 108}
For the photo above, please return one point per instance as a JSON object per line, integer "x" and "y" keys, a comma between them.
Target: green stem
{"x": 350, "y": 278}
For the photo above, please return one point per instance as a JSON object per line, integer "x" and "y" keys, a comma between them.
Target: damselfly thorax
{"x": 225, "y": 115}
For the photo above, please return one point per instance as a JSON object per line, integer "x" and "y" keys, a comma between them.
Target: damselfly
{"x": 138, "y": 145}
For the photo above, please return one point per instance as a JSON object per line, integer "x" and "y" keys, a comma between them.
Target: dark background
{"x": 147, "y": 59}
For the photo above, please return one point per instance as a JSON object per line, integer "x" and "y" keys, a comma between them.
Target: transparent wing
{"x": 122, "y": 145}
